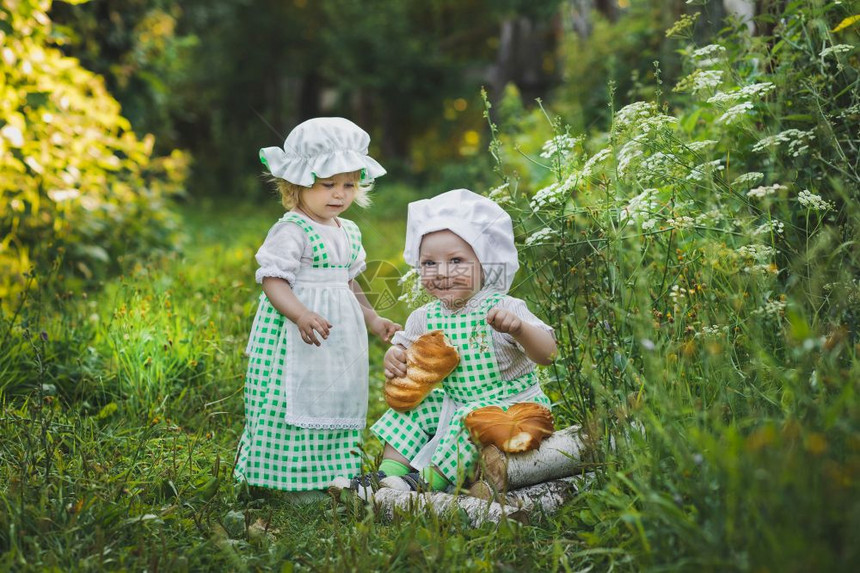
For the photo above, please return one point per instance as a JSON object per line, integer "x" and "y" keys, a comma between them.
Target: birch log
{"x": 479, "y": 511}
{"x": 547, "y": 497}
{"x": 563, "y": 454}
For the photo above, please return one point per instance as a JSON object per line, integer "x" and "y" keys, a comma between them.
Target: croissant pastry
{"x": 428, "y": 361}
{"x": 520, "y": 429}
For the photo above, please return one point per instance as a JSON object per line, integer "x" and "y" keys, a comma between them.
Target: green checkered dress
{"x": 273, "y": 453}
{"x": 475, "y": 383}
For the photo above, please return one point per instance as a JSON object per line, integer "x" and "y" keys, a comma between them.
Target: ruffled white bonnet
{"x": 319, "y": 148}
{"x": 477, "y": 220}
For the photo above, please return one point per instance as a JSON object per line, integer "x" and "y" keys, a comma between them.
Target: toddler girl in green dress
{"x": 307, "y": 378}
{"x": 463, "y": 247}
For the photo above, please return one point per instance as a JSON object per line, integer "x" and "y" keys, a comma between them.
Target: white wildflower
{"x": 558, "y": 146}
{"x": 713, "y": 330}
{"x": 710, "y": 217}
{"x": 744, "y": 93}
{"x": 835, "y": 50}
{"x": 629, "y": 153}
{"x": 798, "y": 141}
{"x": 736, "y": 113}
{"x": 699, "y": 172}
{"x": 724, "y": 97}
{"x": 708, "y": 52}
{"x": 756, "y": 90}
{"x": 676, "y": 293}
{"x": 501, "y": 194}
{"x": 697, "y": 146}
{"x": 773, "y": 226}
{"x": 849, "y": 111}
{"x": 762, "y": 269}
{"x": 658, "y": 164}
{"x": 764, "y": 191}
{"x": 700, "y": 81}
{"x": 541, "y": 237}
{"x": 657, "y": 121}
{"x": 639, "y": 206}
{"x": 552, "y": 195}
{"x": 595, "y": 160}
{"x": 756, "y": 252}
{"x": 771, "y": 308}
{"x": 750, "y": 178}
{"x": 413, "y": 293}
{"x": 682, "y": 222}
{"x": 633, "y": 114}
{"x": 812, "y": 201}
{"x": 706, "y": 80}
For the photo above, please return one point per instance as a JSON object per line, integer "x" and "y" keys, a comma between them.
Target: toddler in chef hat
{"x": 463, "y": 247}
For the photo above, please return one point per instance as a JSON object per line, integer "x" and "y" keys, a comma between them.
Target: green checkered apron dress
{"x": 294, "y": 439}
{"x": 433, "y": 433}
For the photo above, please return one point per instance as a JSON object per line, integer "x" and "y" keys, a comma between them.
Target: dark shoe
{"x": 409, "y": 482}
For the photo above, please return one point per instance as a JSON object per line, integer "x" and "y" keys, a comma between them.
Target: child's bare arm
{"x": 538, "y": 344}
{"x": 381, "y": 327}
{"x": 284, "y": 300}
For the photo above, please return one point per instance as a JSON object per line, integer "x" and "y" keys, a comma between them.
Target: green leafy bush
{"x": 78, "y": 189}
{"x": 700, "y": 263}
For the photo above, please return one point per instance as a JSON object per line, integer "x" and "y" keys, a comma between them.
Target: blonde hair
{"x": 291, "y": 193}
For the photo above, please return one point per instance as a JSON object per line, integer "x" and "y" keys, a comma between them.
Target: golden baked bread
{"x": 428, "y": 361}
{"x": 519, "y": 429}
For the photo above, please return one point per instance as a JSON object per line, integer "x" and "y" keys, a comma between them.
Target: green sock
{"x": 434, "y": 479}
{"x": 393, "y": 468}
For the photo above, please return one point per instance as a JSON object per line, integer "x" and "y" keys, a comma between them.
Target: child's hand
{"x": 395, "y": 362}
{"x": 384, "y": 328}
{"x": 504, "y": 321}
{"x": 310, "y": 322}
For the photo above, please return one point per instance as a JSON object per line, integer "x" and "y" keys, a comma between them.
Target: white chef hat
{"x": 477, "y": 220}
{"x": 319, "y": 148}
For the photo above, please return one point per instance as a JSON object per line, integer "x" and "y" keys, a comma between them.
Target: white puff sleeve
{"x": 416, "y": 325}
{"x": 281, "y": 253}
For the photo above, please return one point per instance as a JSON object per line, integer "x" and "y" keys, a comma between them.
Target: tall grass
{"x": 691, "y": 259}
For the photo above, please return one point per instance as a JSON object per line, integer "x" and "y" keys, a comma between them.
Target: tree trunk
{"x": 479, "y": 511}
{"x": 527, "y": 57}
{"x": 563, "y": 454}
{"x": 743, "y": 11}
{"x": 547, "y": 497}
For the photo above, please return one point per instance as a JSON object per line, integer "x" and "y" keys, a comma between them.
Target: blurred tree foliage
{"x": 223, "y": 78}
{"x": 78, "y": 188}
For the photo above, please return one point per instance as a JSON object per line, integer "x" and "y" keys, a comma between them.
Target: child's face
{"x": 450, "y": 270}
{"x": 328, "y": 197}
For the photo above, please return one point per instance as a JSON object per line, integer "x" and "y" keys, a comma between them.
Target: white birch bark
{"x": 547, "y": 497}
{"x": 563, "y": 454}
{"x": 479, "y": 511}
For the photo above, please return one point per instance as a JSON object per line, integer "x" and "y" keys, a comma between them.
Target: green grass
{"x": 119, "y": 438}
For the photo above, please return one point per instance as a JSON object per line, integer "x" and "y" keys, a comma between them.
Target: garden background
{"x": 684, "y": 182}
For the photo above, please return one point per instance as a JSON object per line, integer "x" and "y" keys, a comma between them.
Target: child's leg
{"x": 456, "y": 457}
{"x": 393, "y": 462}
{"x": 453, "y": 461}
{"x": 405, "y": 433}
